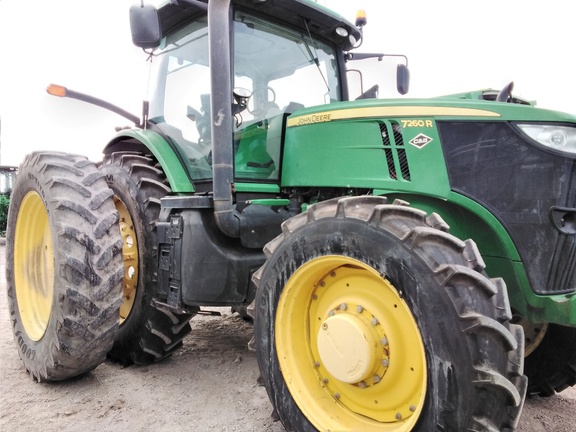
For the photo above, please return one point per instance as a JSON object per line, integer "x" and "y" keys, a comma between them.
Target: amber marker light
{"x": 56, "y": 90}
{"x": 361, "y": 19}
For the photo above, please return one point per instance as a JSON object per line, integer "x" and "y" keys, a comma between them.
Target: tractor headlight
{"x": 556, "y": 137}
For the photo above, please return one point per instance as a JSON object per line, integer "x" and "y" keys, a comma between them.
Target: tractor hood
{"x": 372, "y": 141}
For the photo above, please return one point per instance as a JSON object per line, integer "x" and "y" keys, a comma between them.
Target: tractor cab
{"x": 276, "y": 69}
{"x": 240, "y": 69}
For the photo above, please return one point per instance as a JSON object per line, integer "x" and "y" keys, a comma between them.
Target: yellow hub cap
{"x": 349, "y": 348}
{"x": 34, "y": 266}
{"x": 130, "y": 257}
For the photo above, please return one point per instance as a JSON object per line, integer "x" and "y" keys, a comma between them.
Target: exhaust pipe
{"x": 219, "y": 12}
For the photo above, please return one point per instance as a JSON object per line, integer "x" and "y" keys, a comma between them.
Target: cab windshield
{"x": 281, "y": 69}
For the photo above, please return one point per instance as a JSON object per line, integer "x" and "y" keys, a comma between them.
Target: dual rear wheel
{"x": 63, "y": 265}
{"x": 81, "y": 254}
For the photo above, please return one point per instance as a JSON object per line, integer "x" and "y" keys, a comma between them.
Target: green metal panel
{"x": 363, "y": 153}
{"x": 257, "y": 188}
{"x": 164, "y": 153}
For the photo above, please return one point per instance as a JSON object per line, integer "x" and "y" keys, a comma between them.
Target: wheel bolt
{"x": 398, "y": 416}
{"x": 359, "y": 309}
{"x": 333, "y": 274}
{"x": 362, "y": 384}
{"x": 384, "y": 341}
{"x": 385, "y": 362}
{"x": 331, "y": 313}
{"x": 374, "y": 321}
{"x": 336, "y": 395}
{"x": 316, "y": 364}
{"x": 325, "y": 380}
{"x": 376, "y": 379}
{"x": 343, "y": 306}
{"x": 412, "y": 408}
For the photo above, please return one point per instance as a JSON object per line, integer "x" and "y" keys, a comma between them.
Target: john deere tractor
{"x": 409, "y": 263}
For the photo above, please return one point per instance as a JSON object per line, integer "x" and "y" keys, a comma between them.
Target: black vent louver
{"x": 394, "y": 150}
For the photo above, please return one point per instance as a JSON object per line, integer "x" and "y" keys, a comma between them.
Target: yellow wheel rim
{"x": 34, "y": 265}
{"x": 349, "y": 348}
{"x": 130, "y": 257}
{"x": 533, "y": 334}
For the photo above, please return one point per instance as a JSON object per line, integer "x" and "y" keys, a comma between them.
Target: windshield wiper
{"x": 314, "y": 56}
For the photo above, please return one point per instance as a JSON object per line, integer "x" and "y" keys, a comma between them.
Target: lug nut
{"x": 359, "y": 309}
{"x": 343, "y": 306}
{"x": 374, "y": 321}
{"x": 331, "y": 313}
{"x": 412, "y": 408}
{"x": 385, "y": 362}
{"x": 376, "y": 379}
{"x": 333, "y": 274}
{"x": 398, "y": 416}
{"x": 336, "y": 395}
{"x": 384, "y": 341}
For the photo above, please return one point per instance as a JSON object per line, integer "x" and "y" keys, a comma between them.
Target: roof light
{"x": 361, "y": 19}
{"x": 341, "y": 31}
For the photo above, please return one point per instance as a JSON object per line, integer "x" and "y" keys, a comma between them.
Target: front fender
{"x": 145, "y": 139}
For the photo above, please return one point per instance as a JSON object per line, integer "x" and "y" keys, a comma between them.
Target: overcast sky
{"x": 453, "y": 46}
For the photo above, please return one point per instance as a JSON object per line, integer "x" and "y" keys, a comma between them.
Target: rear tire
{"x": 63, "y": 266}
{"x": 424, "y": 336}
{"x": 147, "y": 333}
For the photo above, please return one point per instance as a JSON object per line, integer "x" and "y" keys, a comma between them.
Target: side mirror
{"x": 145, "y": 26}
{"x": 402, "y": 79}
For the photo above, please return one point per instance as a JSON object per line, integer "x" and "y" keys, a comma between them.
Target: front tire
{"x": 370, "y": 317}
{"x": 63, "y": 267}
{"x": 147, "y": 333}
{"x": 550, "y": 363}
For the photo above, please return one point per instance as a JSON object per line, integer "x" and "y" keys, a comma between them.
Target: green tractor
{"x": 409, "y": 263}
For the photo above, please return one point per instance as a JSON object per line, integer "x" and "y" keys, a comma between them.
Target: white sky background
{"x": 453, "y": 46}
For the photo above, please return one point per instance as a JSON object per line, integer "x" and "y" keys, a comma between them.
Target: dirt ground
{"x": 210, "y": 385}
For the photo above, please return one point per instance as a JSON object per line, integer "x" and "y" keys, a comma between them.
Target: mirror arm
{"x": 362, "y": 56}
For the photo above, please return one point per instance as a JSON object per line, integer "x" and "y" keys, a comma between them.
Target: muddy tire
{"x": 147, "y": 333}
{"x": 369, "y": 316}
{"x": 551, "y": 366}
{"x": 63, "y": 267}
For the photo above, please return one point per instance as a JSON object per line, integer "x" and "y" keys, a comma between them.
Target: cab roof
{"x": 321, "y": 21}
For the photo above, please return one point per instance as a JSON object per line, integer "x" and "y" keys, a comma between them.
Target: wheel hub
{"x": 348, "y": 348}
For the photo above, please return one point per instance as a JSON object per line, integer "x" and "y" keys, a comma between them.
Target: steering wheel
{"x": 270, "y": 92}
{"x": 505, "y": 95}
